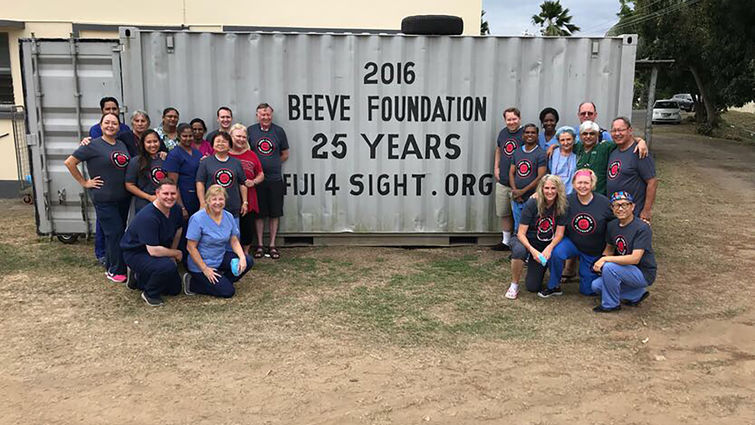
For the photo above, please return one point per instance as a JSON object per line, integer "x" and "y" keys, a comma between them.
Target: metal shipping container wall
{"x": 390, "y": 135}
{"x": 387, "y": 133}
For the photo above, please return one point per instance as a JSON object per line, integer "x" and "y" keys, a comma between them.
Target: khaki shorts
{"x": 502, "y": 200}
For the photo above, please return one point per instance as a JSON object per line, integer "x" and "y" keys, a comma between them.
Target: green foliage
{"x": 712, "y": 39}
{"x": 554, "y": 20}
{"x": 484, "y": 27}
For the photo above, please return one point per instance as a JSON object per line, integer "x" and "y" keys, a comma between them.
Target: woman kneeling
{"x": 213, "y": 244}
{"x": 540, "y": 229}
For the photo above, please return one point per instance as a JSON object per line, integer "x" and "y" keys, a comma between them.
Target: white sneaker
{"x": 185, "y": 281}
{"x": 512, "y": 293}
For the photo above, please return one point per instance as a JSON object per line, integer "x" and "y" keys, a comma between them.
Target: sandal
{"x": 259, "y": 252}
{"x": 274, "y": 253}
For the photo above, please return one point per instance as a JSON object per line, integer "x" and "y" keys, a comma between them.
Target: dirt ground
{"x": 76, "y": 350}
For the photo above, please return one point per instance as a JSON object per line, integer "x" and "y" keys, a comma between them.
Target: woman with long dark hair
{"x": 145, "y": 171}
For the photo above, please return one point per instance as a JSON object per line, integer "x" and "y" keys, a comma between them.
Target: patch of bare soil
{"x": 74, "y": 353}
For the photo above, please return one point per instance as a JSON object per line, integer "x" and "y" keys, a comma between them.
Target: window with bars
{"x": 6, "y": 78}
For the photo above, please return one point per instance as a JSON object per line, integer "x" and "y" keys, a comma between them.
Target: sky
{"x": 513, "y": 17}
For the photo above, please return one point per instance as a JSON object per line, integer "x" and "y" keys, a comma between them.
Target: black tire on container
{"x": 68, "y": 238}
{"x": 432, "y": 25}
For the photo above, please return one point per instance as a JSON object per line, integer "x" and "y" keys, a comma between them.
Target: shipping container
{"x": 391, "y": 137}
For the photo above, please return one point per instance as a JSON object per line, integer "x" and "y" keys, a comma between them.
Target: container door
{"x": 63, "y": 83}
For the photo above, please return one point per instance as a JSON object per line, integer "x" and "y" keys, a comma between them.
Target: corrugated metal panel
{"x": 450, "y": 159}
{"x": 64, "y": 81}
{"x": 197, "y": 72}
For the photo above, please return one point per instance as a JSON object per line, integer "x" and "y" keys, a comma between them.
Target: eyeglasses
{"x": 586, "y": 114}
{"x": 621, "y": 206}
{"x": 590, "y": 134}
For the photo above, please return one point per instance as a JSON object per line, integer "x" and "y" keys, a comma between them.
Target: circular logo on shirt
{"x": 157, "y": 174}
{"x": 224, "y": 177}
{"x": 621, "y": 245}
{"x": 119, "y": 159}
{"x": 509, "y": 147}
{"x": 524, "y": 168}
{"x": 265, "y": 146}
{"x": 583, "y": 223}
{"x": 545, "y": 228}
{"x": 614, "y": 169}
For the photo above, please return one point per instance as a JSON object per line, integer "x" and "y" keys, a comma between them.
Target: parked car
{"x": 667, "y": 110}
{"x": 685, "y": 100}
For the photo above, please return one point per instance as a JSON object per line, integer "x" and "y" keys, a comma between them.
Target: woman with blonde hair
{"x": 540, "y": 229}
{"x": 586, "y": 223}
{"x": 254, "y": 176}
{"x": 216, "y": 258}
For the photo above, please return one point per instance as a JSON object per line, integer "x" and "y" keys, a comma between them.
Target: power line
{"x": 611, "y": 22}
{"x": 644, "y": 18}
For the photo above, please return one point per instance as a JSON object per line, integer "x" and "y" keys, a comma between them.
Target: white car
{"x": 667, "y": 110}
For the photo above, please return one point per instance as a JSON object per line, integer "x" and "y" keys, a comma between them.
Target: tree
{"x": 712, "y": 42}
{"x": 554, "y": 20}
{"x": 484, "y": 28}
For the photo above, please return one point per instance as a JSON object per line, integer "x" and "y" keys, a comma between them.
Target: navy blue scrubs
{"x": 154, "y": 275}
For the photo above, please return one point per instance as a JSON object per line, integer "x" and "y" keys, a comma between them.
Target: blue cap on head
{"x": 565, "y": 129}
{"x": 621, "y": 195}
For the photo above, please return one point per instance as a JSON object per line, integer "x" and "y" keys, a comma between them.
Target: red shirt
{"x": 252, "y": 168}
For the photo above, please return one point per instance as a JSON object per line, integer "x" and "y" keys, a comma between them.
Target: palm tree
{"x": 484, "y": 28}
{"x": 554, "y": 20}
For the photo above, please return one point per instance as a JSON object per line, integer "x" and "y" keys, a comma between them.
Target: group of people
{"x": 567, "y": 198}
{"x": 201, "y": 201}
{"x": 583, "y": 196}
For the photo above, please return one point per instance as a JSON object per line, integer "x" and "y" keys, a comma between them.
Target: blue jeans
{"x": 516, "y": 212}
{"x": 224, "y": 286}
{"x": 619, "y": 283}
{"x": 565, "y": 250}
{"x": 112, "y": 217}
{"x": 154, "y": 275}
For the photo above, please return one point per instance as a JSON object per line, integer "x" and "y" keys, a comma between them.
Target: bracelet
{"x": 245, "y": 203}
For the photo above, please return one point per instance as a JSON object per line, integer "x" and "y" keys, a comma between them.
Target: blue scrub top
{"x": 213, "y": 239}
{"x": 179, "y": 161}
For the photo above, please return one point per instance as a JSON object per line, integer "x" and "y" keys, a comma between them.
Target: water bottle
{"x": 235, "y": 267}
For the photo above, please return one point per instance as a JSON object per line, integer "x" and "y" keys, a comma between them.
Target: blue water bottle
{"x": 235, "y": 267}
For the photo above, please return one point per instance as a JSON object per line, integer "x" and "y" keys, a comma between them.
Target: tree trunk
{"x": 710, "y": 112}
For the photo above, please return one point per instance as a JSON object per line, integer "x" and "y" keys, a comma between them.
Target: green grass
{"x": 432, "y": 305}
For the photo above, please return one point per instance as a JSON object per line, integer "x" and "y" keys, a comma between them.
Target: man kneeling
{"x": 150, "y": 246}
{"x": 628, "y": 265}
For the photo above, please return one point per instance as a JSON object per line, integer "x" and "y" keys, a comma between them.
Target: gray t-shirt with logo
{"x": 228, "y": 174}
{"x": 268, "y": 146}
{"x": 109, "y": 162}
